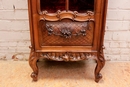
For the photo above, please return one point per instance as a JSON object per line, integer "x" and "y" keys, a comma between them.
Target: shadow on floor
{"x": 66, "y": 70}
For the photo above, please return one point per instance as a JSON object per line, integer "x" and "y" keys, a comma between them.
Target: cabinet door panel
{"x": 66, "y": 33}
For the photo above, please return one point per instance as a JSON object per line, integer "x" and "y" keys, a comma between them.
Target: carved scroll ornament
{"x": 73, "y": 15}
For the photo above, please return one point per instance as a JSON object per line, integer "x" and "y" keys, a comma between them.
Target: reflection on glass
{"x": 81, "y": 5}
{"x": 52, "y": 5}
{"x": 74, "y": 5}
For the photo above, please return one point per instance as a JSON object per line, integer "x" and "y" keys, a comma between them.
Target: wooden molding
{"x": 73, "y": 15}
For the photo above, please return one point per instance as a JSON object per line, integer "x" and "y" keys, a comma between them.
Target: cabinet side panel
{"x": 30, "y": 22}
{"x": 104, "y": 21}
{"x": 98, "y": 21}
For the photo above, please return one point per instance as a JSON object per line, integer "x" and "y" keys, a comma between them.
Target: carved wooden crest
{"x": 73, "y": 15}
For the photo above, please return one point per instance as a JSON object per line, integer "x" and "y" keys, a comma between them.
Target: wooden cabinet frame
{"x": 98, "y": 17}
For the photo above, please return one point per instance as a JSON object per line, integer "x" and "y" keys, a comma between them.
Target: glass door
{"x": 81, "y": 5}
{"x": 52, "y": 5}
{"x": 69, "y": 5}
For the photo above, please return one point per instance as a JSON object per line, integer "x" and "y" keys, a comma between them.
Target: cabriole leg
{"x": 100, "y": 64}
{"x": 33, "y": 64}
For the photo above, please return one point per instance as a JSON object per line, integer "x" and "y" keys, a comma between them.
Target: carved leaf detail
{"x": 68, "y": 56}
{"x": 67, "y": 29}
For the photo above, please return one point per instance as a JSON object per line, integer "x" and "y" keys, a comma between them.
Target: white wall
{"x": 117, "y": 37}
{"x": 15, "y": 36}
{"x": 14, "y": 29}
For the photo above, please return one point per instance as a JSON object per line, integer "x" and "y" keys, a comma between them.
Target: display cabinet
{"x": 67, "y": 30}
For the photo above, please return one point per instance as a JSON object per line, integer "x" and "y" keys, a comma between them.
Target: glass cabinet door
{"x": 81, "y": 5}
{"x": 52, "y": 5}
{"x": 72, "y": 5}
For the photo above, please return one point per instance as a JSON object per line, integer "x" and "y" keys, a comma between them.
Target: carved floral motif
{"x": 68, "y": 56}
{"x": 67, "y": 29}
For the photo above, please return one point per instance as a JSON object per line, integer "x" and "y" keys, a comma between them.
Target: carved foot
{"x": 33, "y": 64}
{"x": 100, "y": 64}
{"x": 98, "y": 77}
{"x": 34, "y": 76}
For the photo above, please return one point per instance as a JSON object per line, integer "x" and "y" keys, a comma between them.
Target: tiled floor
{"x": 64, "y": 74}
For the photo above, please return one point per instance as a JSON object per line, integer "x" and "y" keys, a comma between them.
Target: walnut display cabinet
{"x": 67, "y": 30}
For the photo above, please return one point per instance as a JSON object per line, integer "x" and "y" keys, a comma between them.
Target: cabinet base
{"x": 34, "y": 56}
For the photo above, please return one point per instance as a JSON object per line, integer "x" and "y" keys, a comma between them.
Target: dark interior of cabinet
{"x": 74, "y": 5}
{"x": 81, "y": 5}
